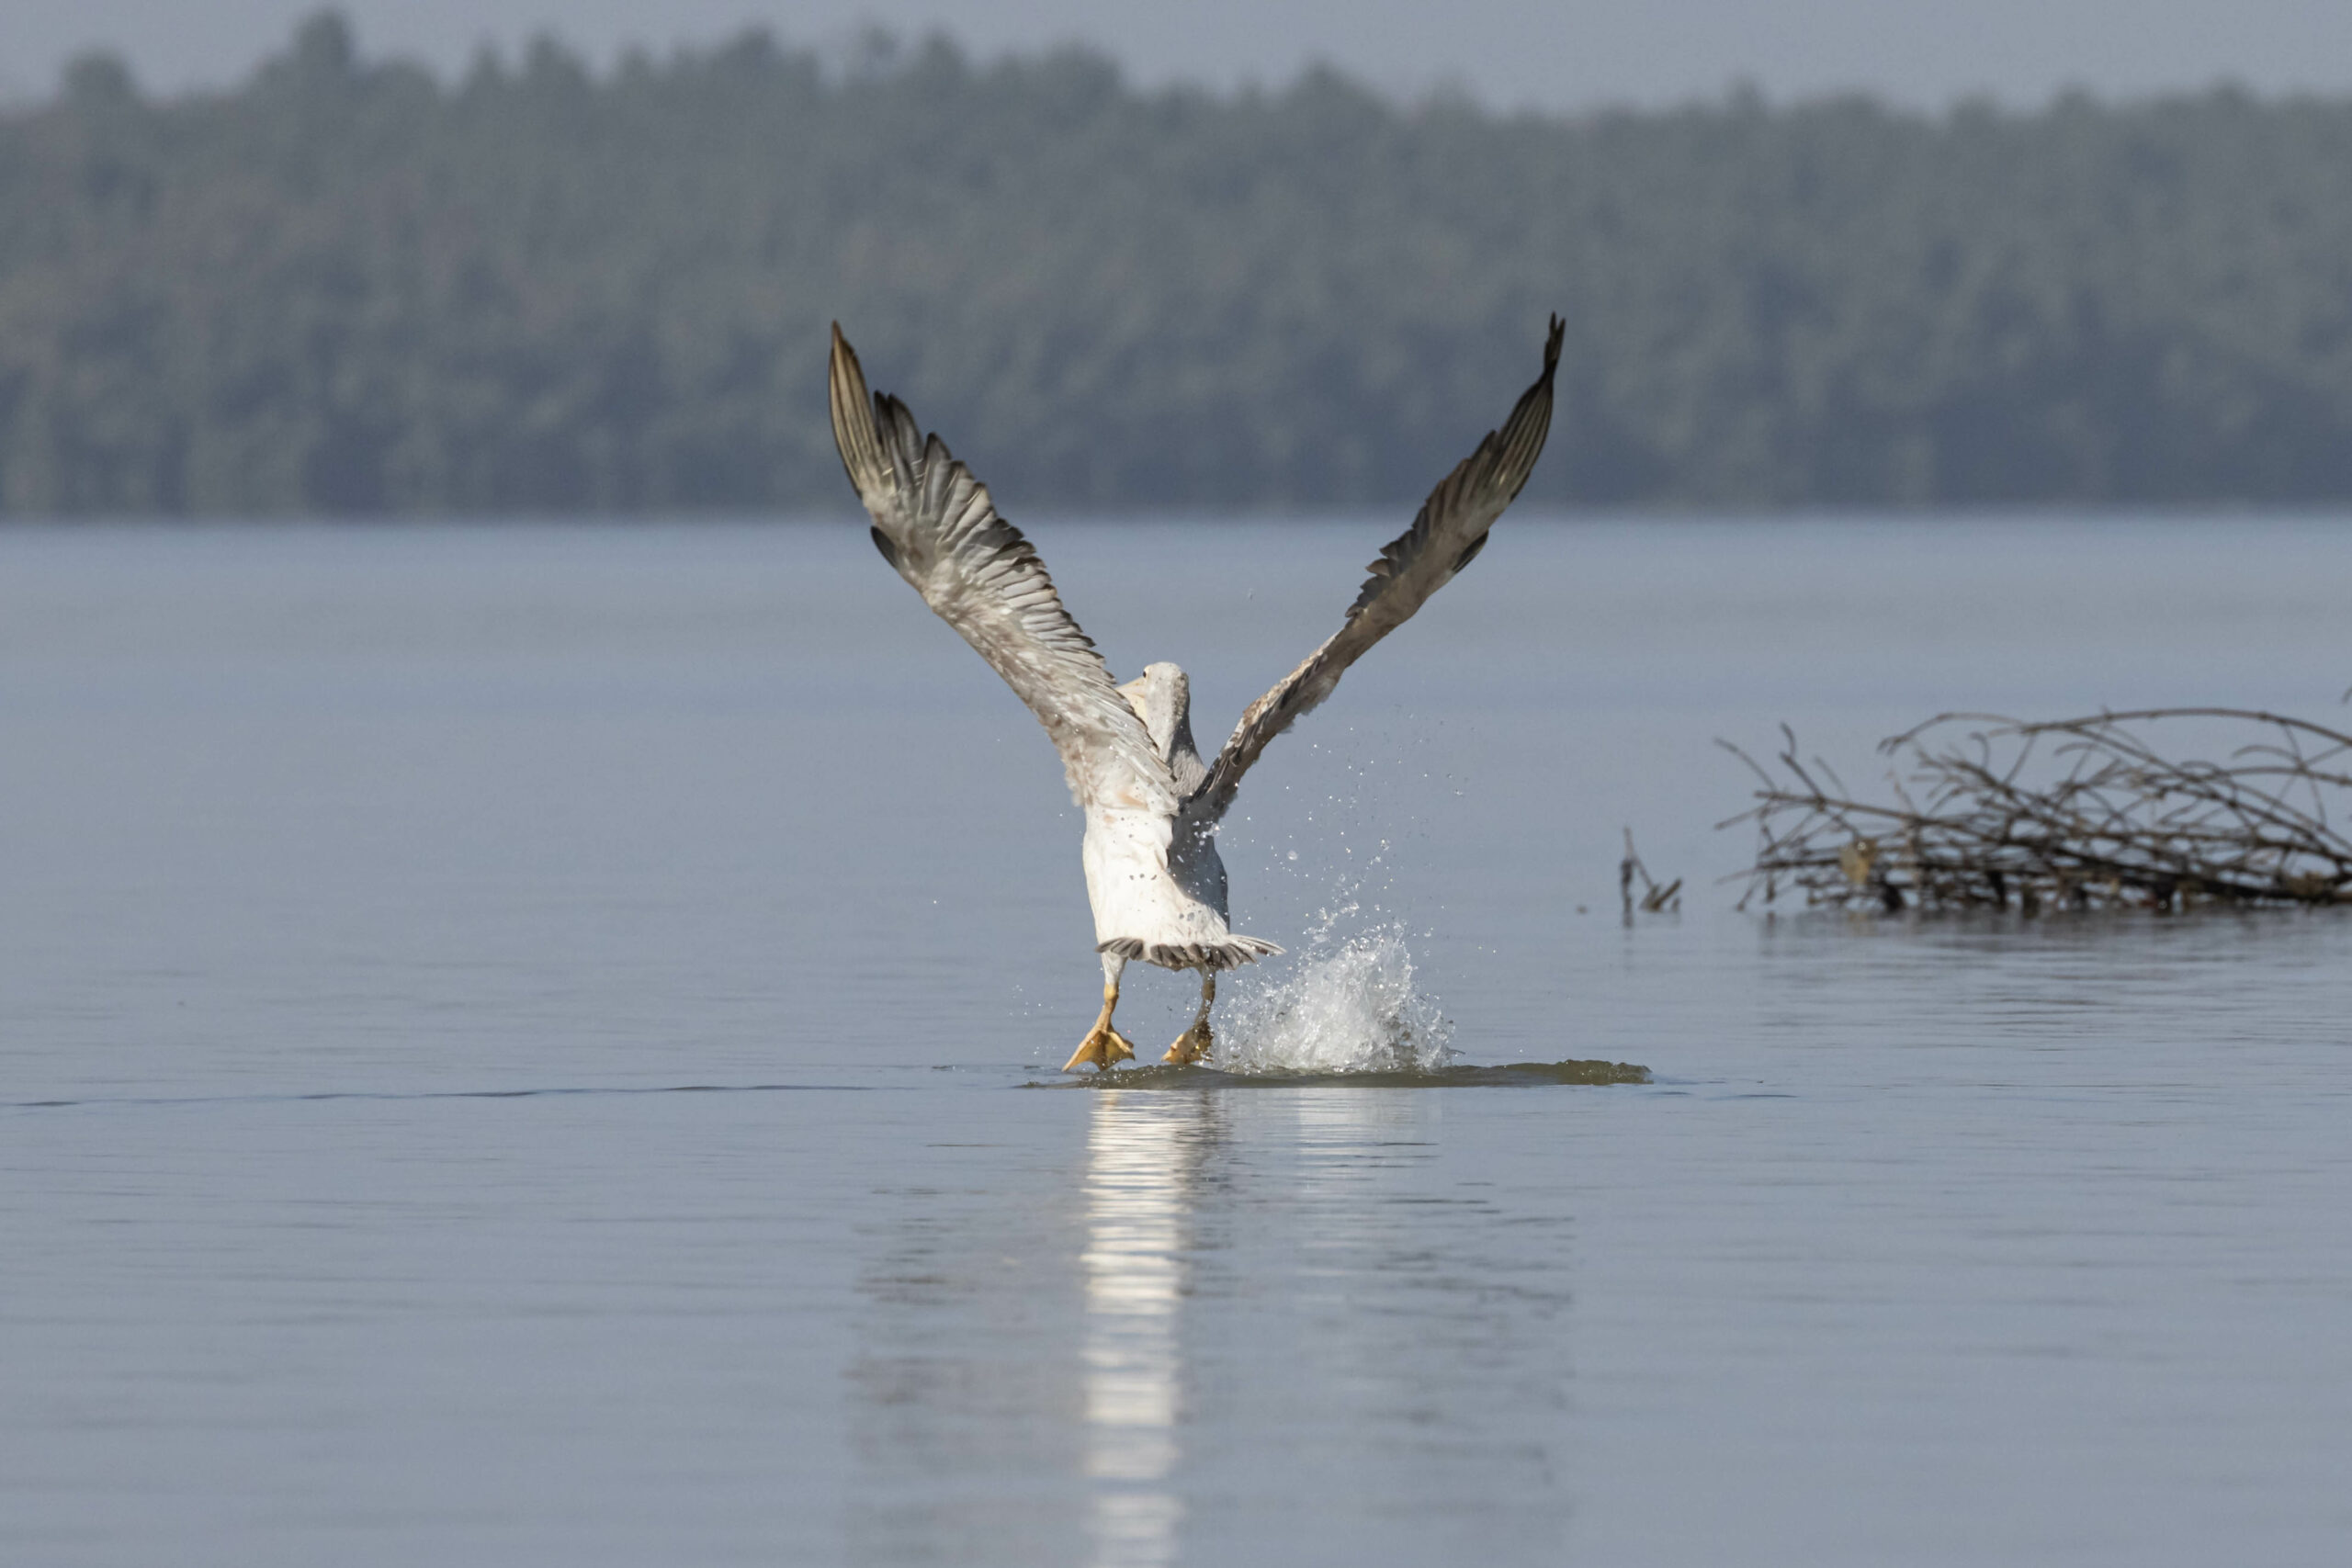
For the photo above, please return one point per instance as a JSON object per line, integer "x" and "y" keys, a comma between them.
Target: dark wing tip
{"x": 854, "y": 436}
{"x": 1551, "y": 345}
{"x": 842, "y": 370}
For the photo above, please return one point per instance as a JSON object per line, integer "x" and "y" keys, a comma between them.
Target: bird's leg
{"x": 1194, "y": 1043}
{"x": 1104, "y": 1044}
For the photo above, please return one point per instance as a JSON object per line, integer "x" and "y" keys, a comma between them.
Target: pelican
{"x": 1152, "y": 806}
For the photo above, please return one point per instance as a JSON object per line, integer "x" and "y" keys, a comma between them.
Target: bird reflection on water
{"x": 1021, "y": 1394}
{"x": 1144, "y": 1154}
{"x": 1062, "y": 1343}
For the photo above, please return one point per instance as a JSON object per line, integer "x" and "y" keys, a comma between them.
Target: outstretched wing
{"x": 934, "y": 523}
{"x": 1450, "y": 531}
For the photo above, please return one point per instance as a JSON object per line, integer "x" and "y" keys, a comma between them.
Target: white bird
{"x": 1152, "y": 806}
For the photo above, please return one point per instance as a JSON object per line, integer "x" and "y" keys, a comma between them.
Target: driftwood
{"x": 1657, "y": 898}
{"x": 2080, "y": 813}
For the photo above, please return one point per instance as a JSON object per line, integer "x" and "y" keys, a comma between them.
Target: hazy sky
{"x": 1566, "y": 54}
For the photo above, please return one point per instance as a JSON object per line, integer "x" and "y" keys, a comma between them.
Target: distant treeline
{"x": 348, "y": 286}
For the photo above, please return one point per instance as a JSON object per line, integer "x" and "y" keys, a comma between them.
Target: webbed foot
{"x": 1102, "y": 1046}
{"x": 1193, "y": 1046}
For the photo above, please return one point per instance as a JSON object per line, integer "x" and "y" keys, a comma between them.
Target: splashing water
{"x": 1345, "y": 1005}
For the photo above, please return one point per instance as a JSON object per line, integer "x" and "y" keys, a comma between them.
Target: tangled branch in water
{"x": 2103, "y": 821}
{"x": 1657, "y": 897}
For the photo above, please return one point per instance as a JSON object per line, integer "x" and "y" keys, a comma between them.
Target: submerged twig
{"x": 2111, "y": 822}
{"x": 1655, "y": 897}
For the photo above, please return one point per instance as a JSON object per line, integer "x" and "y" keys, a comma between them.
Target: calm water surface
{"x": 515, "y": 1049}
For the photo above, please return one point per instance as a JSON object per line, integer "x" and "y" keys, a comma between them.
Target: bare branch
{"x": 2113, "y": 822}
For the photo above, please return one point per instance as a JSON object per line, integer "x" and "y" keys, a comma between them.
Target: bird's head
{"x": 1162, "y": 698}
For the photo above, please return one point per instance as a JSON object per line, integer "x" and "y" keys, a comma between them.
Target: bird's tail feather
{"x": 1227, "y": 952}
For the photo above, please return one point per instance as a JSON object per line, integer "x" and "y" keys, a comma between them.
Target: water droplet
{"x": 1349, "y": 1007}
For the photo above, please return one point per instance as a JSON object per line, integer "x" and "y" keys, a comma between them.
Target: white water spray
{"x": 1345, "y": 1005}
{"x": 1345, "y": 1001}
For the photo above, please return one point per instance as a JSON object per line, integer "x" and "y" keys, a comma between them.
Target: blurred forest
{"x": 349, "y": 287}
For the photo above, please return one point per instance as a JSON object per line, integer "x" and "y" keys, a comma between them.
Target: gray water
{"x": 516, "y": 1048}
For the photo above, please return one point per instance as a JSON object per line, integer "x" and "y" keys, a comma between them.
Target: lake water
{"x": 518, "y": 1048}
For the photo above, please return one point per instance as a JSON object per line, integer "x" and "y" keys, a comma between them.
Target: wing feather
{"x": 935, "y": 524}
{"x": 1446, "y": 537}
